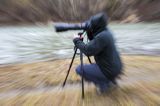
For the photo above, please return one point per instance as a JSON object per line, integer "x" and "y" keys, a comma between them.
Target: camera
{"x": 60, "y": 27}
{"x": 86, "y": 27}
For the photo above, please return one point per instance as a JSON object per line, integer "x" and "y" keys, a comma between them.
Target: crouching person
{"x": 102, "y": 46}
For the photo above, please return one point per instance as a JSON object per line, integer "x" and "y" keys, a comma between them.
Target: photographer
{"x": 102, "y": 46}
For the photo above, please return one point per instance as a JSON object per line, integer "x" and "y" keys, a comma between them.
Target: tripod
{"x": 82, "y": 68}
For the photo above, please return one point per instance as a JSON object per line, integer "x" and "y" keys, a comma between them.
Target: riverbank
{"x": 39, "y": 84}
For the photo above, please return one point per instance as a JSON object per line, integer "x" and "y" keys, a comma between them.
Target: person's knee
{"x": 78, "y": 70}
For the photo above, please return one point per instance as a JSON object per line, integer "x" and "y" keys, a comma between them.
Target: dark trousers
{"x": 92, "y": 73}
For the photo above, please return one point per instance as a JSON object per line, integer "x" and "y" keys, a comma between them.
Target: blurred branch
{"x": 74, "y": 10}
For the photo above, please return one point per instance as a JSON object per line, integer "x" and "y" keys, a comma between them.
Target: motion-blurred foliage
{"x": 76, "y": 10}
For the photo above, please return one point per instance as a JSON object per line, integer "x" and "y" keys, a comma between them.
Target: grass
{"x": 38, "y": 84}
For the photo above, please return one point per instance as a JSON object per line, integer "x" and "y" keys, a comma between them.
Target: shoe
{"x": 102, "y": 89}
{"x": 113, "y": 85}
{"x": 106, "y": 88}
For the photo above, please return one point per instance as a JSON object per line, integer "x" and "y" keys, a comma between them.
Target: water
{"x": 32, "y": 43}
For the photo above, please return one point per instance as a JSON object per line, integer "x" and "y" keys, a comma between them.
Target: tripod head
{"x": 80, "y": 34}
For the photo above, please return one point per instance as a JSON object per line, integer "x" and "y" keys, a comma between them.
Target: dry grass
{"x": 37, "y": 84}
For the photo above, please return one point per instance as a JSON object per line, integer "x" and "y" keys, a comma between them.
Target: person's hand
{"x": 77, "y": 37}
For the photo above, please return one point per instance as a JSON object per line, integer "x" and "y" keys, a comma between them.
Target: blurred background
{"x": 32, "y": 11}
{"x": 34, "y": 58}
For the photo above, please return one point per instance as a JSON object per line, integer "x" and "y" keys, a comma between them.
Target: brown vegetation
{"x": 39, "y": 84}
{"x": 31, "y": 11}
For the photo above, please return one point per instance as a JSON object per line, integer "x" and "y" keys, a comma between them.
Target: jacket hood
{"x": 98, "y": 22}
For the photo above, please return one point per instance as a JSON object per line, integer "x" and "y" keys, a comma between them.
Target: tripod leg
{"x": 70, "y": 67}
{"x": 89, "y": 60}
{"x": 82, "y": 69}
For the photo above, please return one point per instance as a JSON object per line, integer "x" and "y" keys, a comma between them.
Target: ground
{"x": 39, "y": 84}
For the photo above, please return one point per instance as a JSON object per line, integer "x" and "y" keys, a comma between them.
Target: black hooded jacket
{"x": 102, "y": 47}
